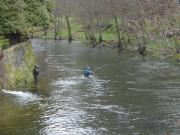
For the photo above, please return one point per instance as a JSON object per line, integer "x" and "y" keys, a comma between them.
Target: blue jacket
{"x": 87, "y": 72}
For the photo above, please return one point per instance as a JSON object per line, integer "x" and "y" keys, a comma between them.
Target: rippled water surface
{"x": 126, "y": 96}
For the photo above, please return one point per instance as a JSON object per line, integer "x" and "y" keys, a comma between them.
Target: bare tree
{"x": 129, "y": 16}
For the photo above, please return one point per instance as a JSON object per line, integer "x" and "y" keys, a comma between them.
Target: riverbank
{"x": 156, "y": 46}
{"x": 16, "y": 66}
{"x": 155, "y": 50}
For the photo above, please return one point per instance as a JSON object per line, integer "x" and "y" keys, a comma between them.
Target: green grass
{"x": 3, "y": 43}
{"x": 77, "y": 32}
{"x": 162, "y": 47}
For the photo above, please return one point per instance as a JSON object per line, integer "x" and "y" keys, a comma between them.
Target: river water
{"x": 126, "y": 96}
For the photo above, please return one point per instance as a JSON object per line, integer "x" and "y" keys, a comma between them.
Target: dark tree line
{"x": 18, "y": 17}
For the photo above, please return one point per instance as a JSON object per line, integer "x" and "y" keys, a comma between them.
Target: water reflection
{"x": 69, "y": 106}
{"x": 126, "y": 96}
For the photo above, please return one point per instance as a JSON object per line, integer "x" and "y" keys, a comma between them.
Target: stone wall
{"x": 16, "y": 66}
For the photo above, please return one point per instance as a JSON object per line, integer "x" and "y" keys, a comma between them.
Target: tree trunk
{"x": 93, "y": 35}
{"x": 117, "y": 30}
{"x": 60, "y": 30}
{"x": 55, "y": 30}
{"x": 45, "y": 34}
{"x": 89, "y": 33}
{"x": 100, "y": 37}
{"x": 69, "y": 29}
{"x": 89, "y": 36}
{"x": 91, "y": 39}
{"x": 116, "y": 24}
{"x": 99, "y": 30}
{"x": 86, "y": 35}
{"x": 58, "y": 27}
{"x": 85, "y": 32}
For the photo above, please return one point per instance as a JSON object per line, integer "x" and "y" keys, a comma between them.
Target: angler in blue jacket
{"x": 88, "y": 72}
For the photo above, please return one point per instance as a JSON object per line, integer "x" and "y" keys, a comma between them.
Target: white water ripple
{"x": 22, "y": 97}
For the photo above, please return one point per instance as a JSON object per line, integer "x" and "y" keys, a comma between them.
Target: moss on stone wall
{"x": 18, "y": 63}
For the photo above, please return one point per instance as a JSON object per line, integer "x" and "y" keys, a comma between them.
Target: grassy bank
{"x": 3, "y": 43}
{"x": 156, "y": 47}
{"x": 77, "y": 32}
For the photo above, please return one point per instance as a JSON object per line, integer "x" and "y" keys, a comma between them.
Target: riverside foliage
{"x": 18, "y": 17}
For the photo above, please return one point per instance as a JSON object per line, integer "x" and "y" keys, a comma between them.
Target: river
{"x": 126, "y": 96}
